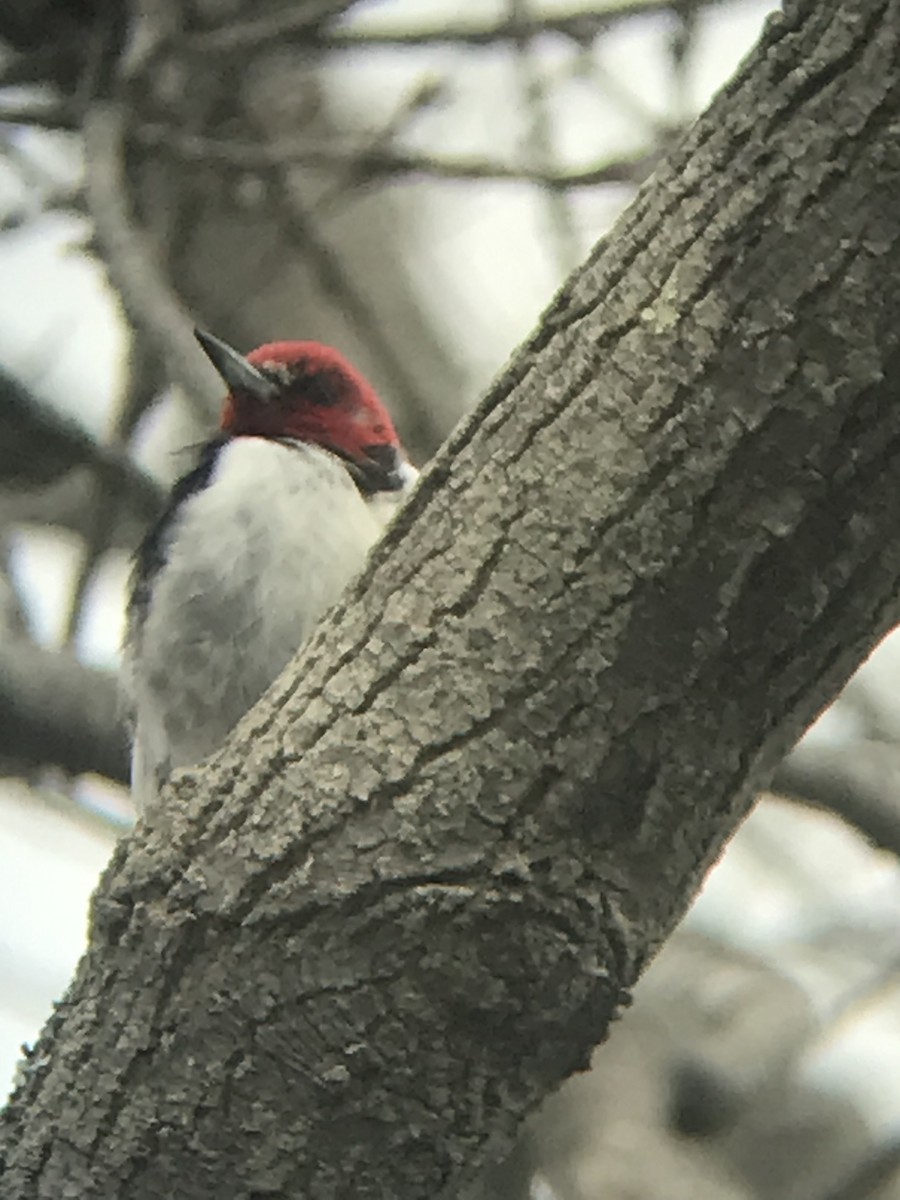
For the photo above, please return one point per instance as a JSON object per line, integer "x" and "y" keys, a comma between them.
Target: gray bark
{"x": 411, "y": 893}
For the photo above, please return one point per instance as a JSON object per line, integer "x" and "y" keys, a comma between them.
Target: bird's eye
{"x": 319, "y": 386}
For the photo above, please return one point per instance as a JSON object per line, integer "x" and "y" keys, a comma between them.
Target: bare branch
{"x": 141, "y": 387}
{"x": 45, "y": 116}
{"x": 583, "y": 25}
{"x": 300, "y": 19}
{"x": 423, "y": 95}
{"x": 67, "y": 503}
{"x": 56, "y": 711}
{"x": 151, "y": 305}
{"x": 37, "y": 445}
{"x": 13, "y": 616}
{"x": 301, "y": 228}
{"x": 382, "y": 164}
{"x": 541, "y": 143}
{"x": 858, "y": 780}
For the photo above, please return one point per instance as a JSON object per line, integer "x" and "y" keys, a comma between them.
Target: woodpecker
{"x": 258, "y": 539}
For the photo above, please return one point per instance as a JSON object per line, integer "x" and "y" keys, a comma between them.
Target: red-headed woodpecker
{"x": 258, "y": 540}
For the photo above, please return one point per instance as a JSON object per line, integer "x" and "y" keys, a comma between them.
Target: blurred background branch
{"x": 56, "y": 711}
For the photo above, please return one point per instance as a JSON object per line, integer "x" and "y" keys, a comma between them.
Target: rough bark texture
{"x": 411, "y": 893}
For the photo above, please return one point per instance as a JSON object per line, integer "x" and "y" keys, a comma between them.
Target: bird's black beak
{"x": 239, "y": 374}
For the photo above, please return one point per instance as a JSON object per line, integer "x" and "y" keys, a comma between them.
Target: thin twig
{"x": 287, "y": 26}
{"x": 541, "y": 145}
{"x": 422, "y": 96}
{"x": 142, "y": 385}
{"x": 682, "y": 46}
{"x": 44, "y": 116}
{"x": 299, "y": 226}
{"x": 152, "y": 306}
{"x": 626, "y": 97}
{"x": 384, "y": 165}
{"x": 300, "y": 19}
{"x": 13, "y": 612}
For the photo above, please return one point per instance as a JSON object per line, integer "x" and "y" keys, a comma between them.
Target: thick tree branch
{"x": 38, "y": 446}
{"x": 859, "y": 781}
{"x": 56, "y": 711}
{"x": 345, "y": 956}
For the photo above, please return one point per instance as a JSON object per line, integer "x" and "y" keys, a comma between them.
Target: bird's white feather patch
{"x": 252, "y": 562}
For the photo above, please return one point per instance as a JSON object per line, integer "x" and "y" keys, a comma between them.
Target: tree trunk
{"x": 408, "y": 897}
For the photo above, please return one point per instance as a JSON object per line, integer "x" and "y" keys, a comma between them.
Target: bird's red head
{"x": 310, "y": 393}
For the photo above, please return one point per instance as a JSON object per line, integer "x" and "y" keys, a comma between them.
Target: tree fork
{"x": 351, "y": 951}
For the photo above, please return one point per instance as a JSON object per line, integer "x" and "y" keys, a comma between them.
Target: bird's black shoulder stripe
{"x": 152, "y": 553}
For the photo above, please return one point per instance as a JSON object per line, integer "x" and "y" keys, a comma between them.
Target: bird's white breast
{"x": 250, "y": 564}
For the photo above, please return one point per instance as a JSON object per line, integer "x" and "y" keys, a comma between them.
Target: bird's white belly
{"x": 253, "y": 561}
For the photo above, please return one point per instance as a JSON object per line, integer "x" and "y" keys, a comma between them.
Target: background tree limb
{"x": 38, "y": 445}
{"x": 859, "y": 782}
{"x": 56, "y": 711}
